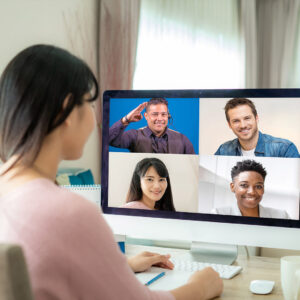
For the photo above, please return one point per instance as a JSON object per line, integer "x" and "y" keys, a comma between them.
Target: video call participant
{"x": 248, "y": 178}
{"x": 46, "y": 117}
{"x": 150, "y": 186}
{"x": 242, "y": 119}
{"x": 156, "y": 137}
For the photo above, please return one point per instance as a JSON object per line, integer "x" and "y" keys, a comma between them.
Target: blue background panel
{"x": 184, "y": 112}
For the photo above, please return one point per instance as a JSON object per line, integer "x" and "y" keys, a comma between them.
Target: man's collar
{"x": 260, "y": 146}
{"x": 149, "y": 132}
{"x": 236, "y": 143}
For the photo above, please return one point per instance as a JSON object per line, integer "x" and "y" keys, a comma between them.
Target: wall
{"x": 70, "y": 24}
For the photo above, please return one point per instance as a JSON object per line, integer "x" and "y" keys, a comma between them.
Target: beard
{"x": 249, "y": 137}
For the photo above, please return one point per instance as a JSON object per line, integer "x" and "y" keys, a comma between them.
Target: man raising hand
{"x": 156, "y": 137}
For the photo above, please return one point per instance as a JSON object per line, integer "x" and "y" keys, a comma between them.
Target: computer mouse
{"x": 262, "y": 287}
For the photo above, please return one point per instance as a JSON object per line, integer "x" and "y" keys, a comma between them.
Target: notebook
{"x": 171, "y": 280}
{"x": 90, "y": 192}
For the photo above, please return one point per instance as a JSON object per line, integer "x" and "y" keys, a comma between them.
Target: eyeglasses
{"x": 156, "y": 114}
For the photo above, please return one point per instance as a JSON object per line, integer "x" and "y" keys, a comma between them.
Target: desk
{"x": 238, "y": 287}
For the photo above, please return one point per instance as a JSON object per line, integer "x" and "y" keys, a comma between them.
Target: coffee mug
{"x": 290, "y": 277}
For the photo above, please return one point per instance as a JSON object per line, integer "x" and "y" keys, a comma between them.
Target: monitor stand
{"x": 212, "y": 253}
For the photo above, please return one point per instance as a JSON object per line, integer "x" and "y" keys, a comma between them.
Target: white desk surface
{"x": 238, "y": 287}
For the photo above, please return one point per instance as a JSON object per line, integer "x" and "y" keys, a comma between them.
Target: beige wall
{"x": 70, "y": 24}
{"x": 270, "y": 252}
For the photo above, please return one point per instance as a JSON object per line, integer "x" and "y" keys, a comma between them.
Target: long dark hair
{"x": 135, "y": 192}
{"x": 33, "y": 87}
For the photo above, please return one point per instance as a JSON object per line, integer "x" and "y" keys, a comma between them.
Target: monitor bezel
{"x": 201, "y": 93}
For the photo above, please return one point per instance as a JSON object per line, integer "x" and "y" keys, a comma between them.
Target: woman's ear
{"x": 67, "y": 121}
{"x": 232, "y": 186}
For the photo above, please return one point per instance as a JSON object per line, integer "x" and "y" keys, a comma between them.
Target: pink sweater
{"x": 136, "y": 205}
{"x": 69, "y": 248}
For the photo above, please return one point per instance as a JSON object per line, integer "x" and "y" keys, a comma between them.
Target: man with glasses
{"x": 154, "y": 138}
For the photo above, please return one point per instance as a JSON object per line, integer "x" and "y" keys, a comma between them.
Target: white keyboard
{"x": 225, "y": 271}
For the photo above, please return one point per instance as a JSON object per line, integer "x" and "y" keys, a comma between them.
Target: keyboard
{"x": 225, "y": 271}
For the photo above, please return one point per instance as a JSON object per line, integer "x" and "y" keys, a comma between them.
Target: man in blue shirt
{"x": 154, "y": 138}
{"x": 242, "y": 119}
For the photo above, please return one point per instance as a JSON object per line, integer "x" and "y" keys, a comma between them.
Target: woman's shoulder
{"x": 270, "y": 212}
{"x": 48, "y": 201}
{"x": 223, "y": 210}
{"x": 135, "y": 204}
{"x": 72, "y": 204}
{"x": 60, "y": 194}
{"x": 47, "y": 212}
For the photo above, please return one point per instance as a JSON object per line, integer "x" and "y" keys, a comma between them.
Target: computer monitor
{"x": 210, "y": 206}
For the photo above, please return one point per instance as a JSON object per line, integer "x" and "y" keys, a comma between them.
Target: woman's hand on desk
{"x": 145, "y": 260}
{"x": 202, "y": 285}
{"x": 210, "y": 280}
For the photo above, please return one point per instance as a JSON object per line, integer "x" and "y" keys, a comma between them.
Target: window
{"x": 189, "y": 44}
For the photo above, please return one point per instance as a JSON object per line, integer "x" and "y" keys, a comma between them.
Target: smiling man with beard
{"x": 248, "y": 179}
{"x": 156, "y": 137}
{"x": 242, "y": 119}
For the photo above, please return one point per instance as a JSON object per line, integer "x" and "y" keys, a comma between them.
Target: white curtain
{"x": 294, "y": 75}
{"x": 290, "y": 53}
{"x": 249, "y": 33}
{"x": 189, "y": 44}
{"x": 270, "y": 29}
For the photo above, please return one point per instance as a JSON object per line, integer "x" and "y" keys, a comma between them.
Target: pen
{"x": 155, "y": 278}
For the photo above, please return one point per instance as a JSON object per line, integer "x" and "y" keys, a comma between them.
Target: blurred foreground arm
{"x": 202, "y": 285}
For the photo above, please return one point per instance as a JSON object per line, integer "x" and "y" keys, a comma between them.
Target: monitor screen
{"x": 213, "y": 157}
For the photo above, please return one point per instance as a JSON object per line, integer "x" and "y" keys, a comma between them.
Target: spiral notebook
{"x": 90, "y": 192}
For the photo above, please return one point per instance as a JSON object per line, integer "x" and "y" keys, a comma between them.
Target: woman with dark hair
{"x": 45, "y": 117}
{"x": 150, "y": 186}
{"x": 248, "y": 180}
